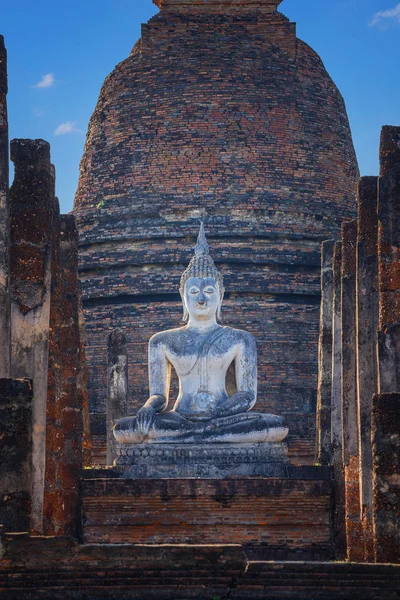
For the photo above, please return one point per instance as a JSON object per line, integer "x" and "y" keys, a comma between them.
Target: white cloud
{"x": 67, "y": 127}
{"x": 385, "y": 18}
{"x": 47, "y": 81}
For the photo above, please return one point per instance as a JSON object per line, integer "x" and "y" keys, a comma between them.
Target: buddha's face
{"x": 202, "y": 298}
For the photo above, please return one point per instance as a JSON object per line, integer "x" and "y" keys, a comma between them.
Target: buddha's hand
{"x": 145, "y": 419}
{"x": 202, "y": 407}
{"x": 235, "y": 405}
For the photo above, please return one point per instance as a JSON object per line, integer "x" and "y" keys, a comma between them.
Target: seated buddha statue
{"x": 217, "y": 371}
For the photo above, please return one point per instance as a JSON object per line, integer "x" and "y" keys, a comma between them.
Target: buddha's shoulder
{"x": 166, "y": 336}
{"x": 183, "y": 333}
{"x": 239, "y": 335}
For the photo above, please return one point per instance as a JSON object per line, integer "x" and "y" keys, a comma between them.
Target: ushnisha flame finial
{"x": 202, "y": 265}
{"x": 201, "y": 248}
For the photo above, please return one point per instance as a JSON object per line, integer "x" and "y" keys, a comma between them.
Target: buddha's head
{"x": 202, "y": 285}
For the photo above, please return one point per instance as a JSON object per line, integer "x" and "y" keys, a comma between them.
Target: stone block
{"x": 15, "y": 454}
{"x": 386, "y": 476}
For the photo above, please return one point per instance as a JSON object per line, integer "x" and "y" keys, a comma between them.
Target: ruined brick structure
{"x": 219, "y": 112}
{"x": 43, "y": 400}
{"x": 99, "y": 533}
{"x": 4, "y": 217}
{"x": 359, "y": 390}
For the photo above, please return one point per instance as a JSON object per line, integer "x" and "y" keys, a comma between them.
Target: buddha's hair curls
{"x": 202, "y": 266}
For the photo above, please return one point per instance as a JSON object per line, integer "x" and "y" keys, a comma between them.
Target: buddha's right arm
{"x": 159, "y": 376}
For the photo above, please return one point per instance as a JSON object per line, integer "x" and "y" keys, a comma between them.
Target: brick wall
{"x": 286, "y": 516}
{"x": 59, "y": 569}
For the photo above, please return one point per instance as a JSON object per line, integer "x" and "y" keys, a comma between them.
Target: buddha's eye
{"x": 194, "y": 290}
{"x": 209, "y": 290}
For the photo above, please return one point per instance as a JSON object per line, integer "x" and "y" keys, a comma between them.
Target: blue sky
{"x": 66, "y": 49}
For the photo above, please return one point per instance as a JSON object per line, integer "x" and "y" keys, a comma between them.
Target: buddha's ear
{"x": 221, "y": 299}
{"x": 185, "y": 310}
{"x": 219, "y": 311}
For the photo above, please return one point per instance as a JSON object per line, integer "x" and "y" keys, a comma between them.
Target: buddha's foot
{"x": 247, "y": 428}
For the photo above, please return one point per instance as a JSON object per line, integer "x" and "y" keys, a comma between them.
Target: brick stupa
{"x": 219, "y": 113}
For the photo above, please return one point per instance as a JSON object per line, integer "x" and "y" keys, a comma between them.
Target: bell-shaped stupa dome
{"x": 219, "y": 113}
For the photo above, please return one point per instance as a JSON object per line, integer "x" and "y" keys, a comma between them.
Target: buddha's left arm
{"x": 246, "y": 380}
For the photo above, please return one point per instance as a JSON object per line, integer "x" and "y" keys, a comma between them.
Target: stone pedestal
{"x": 282, "y": 517}
{"x": 206, "y": 461}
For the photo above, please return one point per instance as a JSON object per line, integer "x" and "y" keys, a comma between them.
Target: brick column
{"x": 389, "y": 261}
{"x": 4, "y": 221}
{"x": 354, "y": 537}
{"x": 367, "y": 325}
{"x": 65, "y": 427}
{"x": 336, "y": 407}
{"x": 82, "y": 388}
{"x": 31, "y": 212}
{"x": 15, "y": 454}
{"x": 386, "y": 489}
{"x": 54, "y": 433}
{"x": 324, "y": 398}
{"x": 386, "y": 413}
{"x": 71, "y": 394}
{"x": 117, "y": 387}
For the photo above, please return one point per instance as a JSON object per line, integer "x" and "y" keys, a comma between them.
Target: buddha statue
{"x": 217, "y": 371}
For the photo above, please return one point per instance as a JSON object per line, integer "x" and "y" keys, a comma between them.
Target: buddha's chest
{"x": 202, "y": 364}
